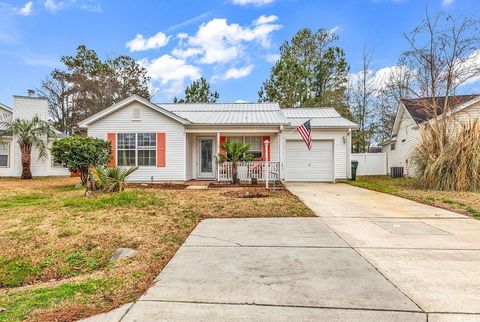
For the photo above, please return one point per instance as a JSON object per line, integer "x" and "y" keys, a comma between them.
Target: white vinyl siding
{"x": 152, "y": 122}
{"x": 309, "y": 165}
{"x": 407, "y": 138}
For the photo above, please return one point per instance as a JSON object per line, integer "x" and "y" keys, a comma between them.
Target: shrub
{"x": 79, "y": 154}
{"x": 112, "y": 179}
{"x": 452, "y": 163}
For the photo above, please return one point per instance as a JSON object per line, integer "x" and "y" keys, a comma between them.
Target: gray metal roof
{"x": 219, "y": 107}
{"x": 310, "y": 112}
{"x": 229, "y": 113}
{"x": 327, "y": 122}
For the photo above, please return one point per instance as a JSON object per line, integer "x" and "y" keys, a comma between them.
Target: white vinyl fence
{"x": 370, "y": 164}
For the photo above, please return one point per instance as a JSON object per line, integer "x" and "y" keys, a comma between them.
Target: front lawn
{"x": 467, "y": 203}
{"x": 56, "y": 244}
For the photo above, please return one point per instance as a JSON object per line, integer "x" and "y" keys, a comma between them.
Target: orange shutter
{"x": 161, "y": 150}
{"x": 112, "y": 137}
{"x": 222, "y": 142}
{"x": 264, "y": 154}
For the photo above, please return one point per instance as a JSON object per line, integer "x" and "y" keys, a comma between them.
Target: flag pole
{"x": 297, "y": 127}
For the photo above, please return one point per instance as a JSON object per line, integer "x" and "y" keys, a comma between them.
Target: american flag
{"x": 306, "y": 132}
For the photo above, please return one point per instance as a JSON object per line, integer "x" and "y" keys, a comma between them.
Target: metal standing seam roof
{"x": 229, "y": 113}
{"x": 257, "y": 113}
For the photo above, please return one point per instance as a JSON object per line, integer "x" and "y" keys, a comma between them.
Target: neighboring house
{"x": 411, "y": 115}
{"x": 25, "y": 107}
{"x": 181, "y": 142}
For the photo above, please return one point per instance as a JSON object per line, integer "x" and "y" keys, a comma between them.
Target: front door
{"x": 206, "y": 164}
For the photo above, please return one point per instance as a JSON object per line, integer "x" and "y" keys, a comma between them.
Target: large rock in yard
{"x": 121, "y": 253}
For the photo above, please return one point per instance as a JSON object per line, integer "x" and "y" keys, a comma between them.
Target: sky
{"x": 232, "y": 43}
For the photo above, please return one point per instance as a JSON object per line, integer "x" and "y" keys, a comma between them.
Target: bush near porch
{"x": 56, "y": 244}
{"x": 467, "y": 203}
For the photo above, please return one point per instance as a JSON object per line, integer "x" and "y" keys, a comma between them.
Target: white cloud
{"x": 51, "y": 5}
{"x": 377, "y": 80}
{"x": 26, "y": 10}
{"x": 221, "y": 42}
{"x": 265, "y": 19}
{"x": 446, "y": 3}
{"x": 87, "y": 5}
{"x": 141, "y": 44}
{"x": 182, "y": 35}
{"x": 272, "y": 58}
{"x": 252, "y": 2}
{"x": 170, "y": 72}
{"x": 189, "y": 21}
{"x": 468, "y": 66}
{"x": 186, "y": 53}
{"x": 334, "y": 30}
{"x": 241, "y": 101}
{"x": 235, "y": 73}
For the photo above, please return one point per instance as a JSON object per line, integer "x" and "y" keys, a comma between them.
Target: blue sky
{"x": 232, "y": 43}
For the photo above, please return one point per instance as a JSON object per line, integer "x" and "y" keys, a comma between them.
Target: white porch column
{"x": 216, "y": 156}
{"x": 280, "y": 153}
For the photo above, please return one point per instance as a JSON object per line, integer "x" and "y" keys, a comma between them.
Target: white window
{"x": 4, "y": 155}
{"x": 255, "y": 143}
{"x": 255, "y": 146}
{"x": 136, "y": 149}
{"x": 147, "y": 149}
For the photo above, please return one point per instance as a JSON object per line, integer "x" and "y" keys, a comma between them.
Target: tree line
{"x": 312, "y": 71}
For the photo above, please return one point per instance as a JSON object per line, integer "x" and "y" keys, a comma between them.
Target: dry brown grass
{"x": 60, "y": 241}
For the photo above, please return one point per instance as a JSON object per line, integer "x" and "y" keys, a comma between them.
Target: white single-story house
{"x": 25, "y": 107}
{"x": 181, "y": 142}
{"x": 412, "y": 114}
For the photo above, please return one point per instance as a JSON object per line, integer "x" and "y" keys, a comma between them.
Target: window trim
{"x": 137, "y": 149}
{"x": 135, "y": 108}
{"x": 9, "y": 153}
{"x": 243, "y": 141}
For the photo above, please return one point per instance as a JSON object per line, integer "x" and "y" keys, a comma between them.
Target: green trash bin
{"x": 354, "y": 169}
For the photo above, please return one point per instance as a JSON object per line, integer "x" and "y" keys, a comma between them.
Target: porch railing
{"x": 246, "y": 170}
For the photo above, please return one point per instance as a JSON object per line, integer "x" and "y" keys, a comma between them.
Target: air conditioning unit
{"x": 396, "y": 172}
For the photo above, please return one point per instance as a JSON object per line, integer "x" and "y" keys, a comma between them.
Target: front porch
{"x": 203, "y": 147}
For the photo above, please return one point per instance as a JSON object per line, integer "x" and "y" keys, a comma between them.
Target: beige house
{"x": 411, "y": 115}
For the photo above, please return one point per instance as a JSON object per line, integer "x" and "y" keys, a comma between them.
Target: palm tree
{"x": 28, "y": 134}
{"x": 234, "y": 152}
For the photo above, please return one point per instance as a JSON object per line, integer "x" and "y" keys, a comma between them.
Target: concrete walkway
{"x": 368, "y": 256}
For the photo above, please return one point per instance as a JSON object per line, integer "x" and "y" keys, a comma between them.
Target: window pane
{"x": 147, "y": 157}
{"x": 126, "y": 140}
{"x": 146, "y": 140}
{"x": 3, "y": 160}
{"x": 126, "y": 158}
{"x": 255, "y": 142}
{"x": 235, "y": 139}
{"x": 256, "y": 154}
{"x": 3, "y": 155}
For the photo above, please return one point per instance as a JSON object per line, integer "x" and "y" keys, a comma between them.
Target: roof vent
{"x": 30, "y": 93}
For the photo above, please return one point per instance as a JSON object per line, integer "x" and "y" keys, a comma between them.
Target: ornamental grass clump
{"x": 449, "y": 160}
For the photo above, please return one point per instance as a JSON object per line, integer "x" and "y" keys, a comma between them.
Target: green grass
{"x": 24, "y": 200}
{"x": 15, "y": 271}
{"x": 132, "y": 198}
{"x": 20, "y": 305}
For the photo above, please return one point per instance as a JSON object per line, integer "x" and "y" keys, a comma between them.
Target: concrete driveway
{"x": 368, "y": 256}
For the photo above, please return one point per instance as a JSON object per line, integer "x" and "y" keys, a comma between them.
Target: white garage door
{"x": 313, "y": 165}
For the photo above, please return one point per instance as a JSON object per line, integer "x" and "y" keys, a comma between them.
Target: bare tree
{"x": 388, "y": 100}
{"x": 440, "y": 58}
{"x": 362, "y": 96}
{"x": 59, "y": 94}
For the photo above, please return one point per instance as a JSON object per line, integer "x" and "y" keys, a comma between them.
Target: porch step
{"x": 198, "y": 187}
